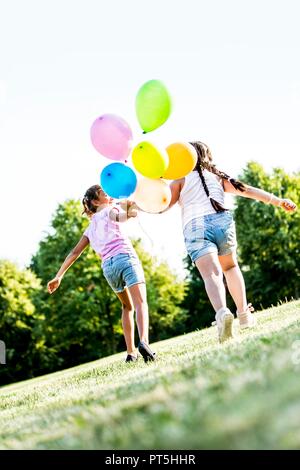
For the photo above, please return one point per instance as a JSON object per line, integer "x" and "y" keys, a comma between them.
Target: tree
{"x": 268, "y": 238}
{"x": 18, "y": 317}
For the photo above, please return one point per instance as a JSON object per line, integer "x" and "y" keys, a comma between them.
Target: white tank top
{"x": 193, "y": 199}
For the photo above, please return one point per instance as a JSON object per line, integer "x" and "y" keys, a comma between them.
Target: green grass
{"x": 244, "y": 394}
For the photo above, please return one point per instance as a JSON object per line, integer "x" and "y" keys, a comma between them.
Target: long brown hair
{"x": 205, "y": 161}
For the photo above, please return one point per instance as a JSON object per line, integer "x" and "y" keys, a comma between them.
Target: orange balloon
{"x": 182, "y": 160}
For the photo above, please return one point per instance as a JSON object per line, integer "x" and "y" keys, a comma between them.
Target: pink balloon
{"x": 112, "y": 137}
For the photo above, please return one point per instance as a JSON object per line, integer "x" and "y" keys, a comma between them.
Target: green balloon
{"x": 153, "y": 105}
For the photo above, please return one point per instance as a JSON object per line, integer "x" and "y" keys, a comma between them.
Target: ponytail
{"x": 91, "y": 194}
{"x": 216, "y": 205}
{"x": 205, "y": 162}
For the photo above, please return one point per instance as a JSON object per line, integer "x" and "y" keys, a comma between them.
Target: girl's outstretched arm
{"x": 72, "y": 256}
{"x": 129, "y": 210}
{"x": 260, "y": 195}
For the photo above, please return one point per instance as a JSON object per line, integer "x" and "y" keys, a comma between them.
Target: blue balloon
{"x": 118, "y": 180}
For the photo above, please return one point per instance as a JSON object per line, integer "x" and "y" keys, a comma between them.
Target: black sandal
{"x": 146, "y": 352}
{"x": 131, "y": 358}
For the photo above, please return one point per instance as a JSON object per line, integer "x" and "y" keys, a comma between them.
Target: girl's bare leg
{"x": 138, "y": 294}
{"x": 211, "y": 272}
{"x": 127, "y": 320}
{"x": 235, "y": 280}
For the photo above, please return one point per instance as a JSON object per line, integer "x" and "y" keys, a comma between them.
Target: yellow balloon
{"x": 182, "y": 160}
{"x": 152, "y": 195}
{"x": 148, "y": 160}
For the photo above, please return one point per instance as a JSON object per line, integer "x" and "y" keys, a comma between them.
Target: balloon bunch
{"x": 112, "y": 137}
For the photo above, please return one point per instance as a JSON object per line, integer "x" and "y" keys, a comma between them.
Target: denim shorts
{"x": 210, "y": 233}
{"x": 123, "y": 270}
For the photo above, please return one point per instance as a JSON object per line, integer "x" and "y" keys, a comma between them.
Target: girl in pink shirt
{"x": 120, "y": 263}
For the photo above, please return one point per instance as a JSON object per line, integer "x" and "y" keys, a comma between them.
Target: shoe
{"x": 131, "y": 358}
{"x": 247, "y": 319}
{"x": 224, "y": 320}
{"x": 146, "y": 352}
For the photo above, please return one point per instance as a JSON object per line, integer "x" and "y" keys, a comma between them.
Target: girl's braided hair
{"x": 204, "y": 161}
{"x": 91, "y": 194}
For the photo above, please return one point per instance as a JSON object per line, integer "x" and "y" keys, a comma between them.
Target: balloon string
{"x": 144, "y": 231}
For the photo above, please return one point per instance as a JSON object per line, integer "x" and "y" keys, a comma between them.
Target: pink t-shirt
{"x": 106, "y": 237}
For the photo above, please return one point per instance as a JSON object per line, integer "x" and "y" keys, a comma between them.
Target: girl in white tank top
{"x": 209, "y": 232}
{"x": 193, "y": 199}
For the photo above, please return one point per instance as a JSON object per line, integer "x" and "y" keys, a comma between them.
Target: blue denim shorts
{"x": 210, "y": 233}
{"x": 123, "y": 270}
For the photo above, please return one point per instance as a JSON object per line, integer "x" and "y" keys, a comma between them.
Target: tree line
{"x": 81, "y": 321}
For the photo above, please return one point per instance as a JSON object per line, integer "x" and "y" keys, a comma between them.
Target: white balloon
{"x": 152, "y": 195}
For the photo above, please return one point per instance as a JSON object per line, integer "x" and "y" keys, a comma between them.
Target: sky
{"x": 232, "y": 68}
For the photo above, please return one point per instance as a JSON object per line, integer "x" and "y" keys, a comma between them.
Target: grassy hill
{"x": 244, "y": 394}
